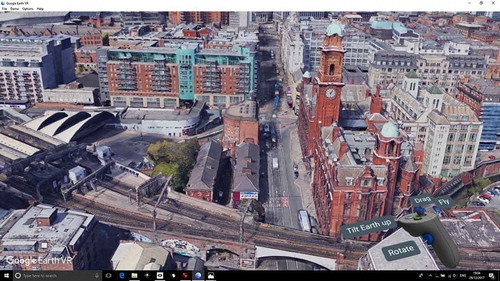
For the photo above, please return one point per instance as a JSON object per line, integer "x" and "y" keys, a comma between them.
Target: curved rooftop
{"x": 70, "y": 125}
{"x": 390, "y": 130}
{"x": 334, "y": 28}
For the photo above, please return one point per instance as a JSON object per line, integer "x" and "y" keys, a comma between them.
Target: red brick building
{"x": 358, "y": 175}
{"x": 486, "y": 36}
{"x": 86, "y": 57}
{"x": 199, "y": 17}
{"x": 89, "y": 35}
{"x": 493, "y": 71}
{"x": 203, "y": 178}
{"x": 240, "y": 125}
{"x": 471, "y": 95}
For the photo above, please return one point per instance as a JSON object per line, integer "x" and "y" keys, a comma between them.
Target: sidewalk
{"x": 304, "y": 180}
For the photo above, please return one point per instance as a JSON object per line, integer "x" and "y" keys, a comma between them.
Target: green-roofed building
{"x": 412, "y": 74}
{"x": 390, "y": 130}
{"x": 434, "y": 90}
{"x": 334, "y": 28}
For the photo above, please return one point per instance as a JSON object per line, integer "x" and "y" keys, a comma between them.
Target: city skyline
{"x": 247, "y": 140}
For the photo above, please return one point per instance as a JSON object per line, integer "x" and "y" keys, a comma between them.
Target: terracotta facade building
{"x": 357, "y": 174}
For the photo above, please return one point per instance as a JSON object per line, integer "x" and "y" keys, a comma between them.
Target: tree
{"x": 258, "y": 210}
{"x": 79, "y": 69}
{"x": 105, "y": 39}
{"x": 169, "y": 169}
{"x": 478, "y": 185}
{"x": 181, "y": 154}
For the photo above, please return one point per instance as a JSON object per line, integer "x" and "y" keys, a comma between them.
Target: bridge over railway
{"x": 264, "y": 252}
{"x": 195, "y": 217}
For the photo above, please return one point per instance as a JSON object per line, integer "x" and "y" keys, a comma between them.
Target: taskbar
{"x": 232, "y": 275}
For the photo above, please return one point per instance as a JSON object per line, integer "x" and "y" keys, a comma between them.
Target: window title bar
{"x": 253, "y": 5}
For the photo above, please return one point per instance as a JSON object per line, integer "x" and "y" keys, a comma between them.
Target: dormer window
{"x": 380, "y": 181}
{"x": 349, "y": 181}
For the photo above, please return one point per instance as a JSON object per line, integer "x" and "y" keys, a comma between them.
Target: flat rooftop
{"x": 163, "y": 114}
{"x": 473, "y": 228}
{"x": 422, "y": 261}
{"x": 62, "y": 231}
{"x": 246, "y": 110}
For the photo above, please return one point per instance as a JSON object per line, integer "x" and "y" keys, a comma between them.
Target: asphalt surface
{"x": 281, "y": 196}
{"x": 128, "y": 146}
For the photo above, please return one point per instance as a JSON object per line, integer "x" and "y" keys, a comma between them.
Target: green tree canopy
{"x": 177, "y": 158}
{"x": 105, "y": 39}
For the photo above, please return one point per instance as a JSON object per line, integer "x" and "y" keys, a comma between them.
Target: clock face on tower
{"x": 330, "y": 93}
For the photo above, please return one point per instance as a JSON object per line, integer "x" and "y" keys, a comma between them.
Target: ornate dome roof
{"x": 334, "y": 28}
{"x": 390, "y": 130}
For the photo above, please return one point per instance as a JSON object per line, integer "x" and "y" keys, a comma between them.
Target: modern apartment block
{"x": 28, "y": 65}
{"x": 357, "y": 46}
{"x": 163, "y": 77}
{"x": 199, "y": 17}
{"x": 483, "y": 97}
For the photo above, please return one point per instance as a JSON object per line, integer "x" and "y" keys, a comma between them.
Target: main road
{"x": 282, "y": 197}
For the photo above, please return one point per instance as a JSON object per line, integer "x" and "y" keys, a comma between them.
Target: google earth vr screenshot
{"x": 218, "y": 145}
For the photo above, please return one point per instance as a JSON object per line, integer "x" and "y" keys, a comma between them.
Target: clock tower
{"x": 329, "y": 78}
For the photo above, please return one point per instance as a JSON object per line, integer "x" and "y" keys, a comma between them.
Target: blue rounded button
{"x": 428, "y": 238}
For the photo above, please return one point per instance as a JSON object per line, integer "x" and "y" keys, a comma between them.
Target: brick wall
{"x": 200, "y": 194}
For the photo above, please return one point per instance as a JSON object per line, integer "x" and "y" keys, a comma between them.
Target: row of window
{"x": 364, "y": 182}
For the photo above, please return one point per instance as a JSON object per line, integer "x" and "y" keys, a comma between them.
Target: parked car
{"x": 267, "y": 129}
{"x": 483, "y": 200}
{"x": 496, "y": 188}
{"x": 295, "y": 170}
{"x": 477, "y": 203}
{"x": 485, "y": 196}
{"x": 495, "y": 192}
{"x": 490, "y": 193}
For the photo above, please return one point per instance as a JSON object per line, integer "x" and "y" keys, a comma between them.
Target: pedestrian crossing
{"x": 278, "y": 202}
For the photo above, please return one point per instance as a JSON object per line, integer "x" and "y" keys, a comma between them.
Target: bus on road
{"x": 305, "y": 224}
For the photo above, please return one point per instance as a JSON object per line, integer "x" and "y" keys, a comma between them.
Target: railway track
{"x": 292, "y": 240}
{"x": 274, "y": 236}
